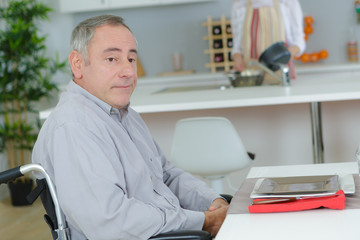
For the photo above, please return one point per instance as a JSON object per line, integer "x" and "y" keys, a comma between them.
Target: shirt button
{"x": 151, "y": 159}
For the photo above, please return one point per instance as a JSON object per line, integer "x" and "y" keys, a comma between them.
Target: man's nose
{"x": 127, "y": 69}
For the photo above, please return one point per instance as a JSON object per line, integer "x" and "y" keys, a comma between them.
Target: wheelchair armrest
{"x": 183, "y": 235}
{"x": 227, "y": 197}
{"x": 189, "y": 235}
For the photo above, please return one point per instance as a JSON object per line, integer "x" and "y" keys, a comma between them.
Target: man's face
{"x": 110, "y": 73}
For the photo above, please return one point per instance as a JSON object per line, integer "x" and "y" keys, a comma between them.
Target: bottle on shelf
{"x": 230, "y": 57}
{"x": 352, "y": 46}
{"x": 217, "y": 30}
{"x": 357, "y": 7}
{"x": 228, "y": 29}
{"x": 218, "y": 44}
{"x": 229, "y": 43}
{"x": 219, "y": 57}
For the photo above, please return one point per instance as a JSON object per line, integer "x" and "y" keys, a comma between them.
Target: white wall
{"x": 333, "y": 19}
{"x": 163, "y": 30}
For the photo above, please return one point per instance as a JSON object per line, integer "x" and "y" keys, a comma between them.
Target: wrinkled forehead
{"x": 116, "y": 34}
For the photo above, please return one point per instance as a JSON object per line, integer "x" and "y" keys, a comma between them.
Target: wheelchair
{"x": 56, "y": 220}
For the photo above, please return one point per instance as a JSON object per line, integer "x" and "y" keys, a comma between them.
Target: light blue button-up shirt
{"x": 112, "y": 180}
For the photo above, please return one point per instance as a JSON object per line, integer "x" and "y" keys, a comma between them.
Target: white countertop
{"x": 318, "y": 84}
{"x": 321, "y": 224}
{"x": 343, "y": 84}
{"x": 332, "y": 87}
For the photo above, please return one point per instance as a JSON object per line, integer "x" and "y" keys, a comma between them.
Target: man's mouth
{"x": 122, "y": 86}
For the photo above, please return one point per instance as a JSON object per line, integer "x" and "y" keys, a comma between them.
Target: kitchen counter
{"x": 317, "y": 83}
{"x": 313, "y": 85}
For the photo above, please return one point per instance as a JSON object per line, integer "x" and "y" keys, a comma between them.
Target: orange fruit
{"x": 314, "y": 57}
{"x": 308, "y": 29}
{"x": 305, "y": 58}
{"x": 297, "y": 57}
{"x": 308, "y": 20}
{"x": 323, "y": 54}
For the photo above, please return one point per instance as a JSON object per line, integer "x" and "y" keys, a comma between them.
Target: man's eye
{"x": 111, "y": 59}
{"x": 132, "y": 60}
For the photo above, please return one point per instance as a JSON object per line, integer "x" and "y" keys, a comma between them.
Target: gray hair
{"x": 84, "y": 32}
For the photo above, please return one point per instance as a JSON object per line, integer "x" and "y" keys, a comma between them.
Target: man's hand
{"x": 214, "y": 219}
{"x": 218, "y": 203}
{"x": 239, "y": 64}
{"x": 294, "y": 50}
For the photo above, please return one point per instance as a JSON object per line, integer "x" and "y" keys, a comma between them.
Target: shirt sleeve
{"x": 293, "y": 21}
{"x": 238, "y": 13}
{"x": 92, "y": 198}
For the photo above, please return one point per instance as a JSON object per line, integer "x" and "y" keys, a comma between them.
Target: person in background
{"x": 112, "y": 179}
{"x": 257, "y": 24}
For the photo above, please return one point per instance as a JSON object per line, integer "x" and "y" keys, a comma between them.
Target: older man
{"x": 112, "y": 179}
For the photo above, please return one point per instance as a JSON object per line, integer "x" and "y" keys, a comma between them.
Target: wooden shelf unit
{"x": 220, "y": 57}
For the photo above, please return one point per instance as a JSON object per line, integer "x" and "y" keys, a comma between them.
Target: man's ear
{"x": 76, "y": 63}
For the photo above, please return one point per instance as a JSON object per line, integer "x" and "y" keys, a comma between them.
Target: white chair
{"x": 209, "y": 147}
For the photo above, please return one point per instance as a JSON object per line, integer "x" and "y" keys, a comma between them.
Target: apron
{"x": 262, "y": 27}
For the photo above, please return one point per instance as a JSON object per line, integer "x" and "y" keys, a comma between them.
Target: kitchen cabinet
{"x": 183, "y": 1}
{"x": 67, "y": 6}
{"x": 131, "y": 3}
{"x": 71, "y": 6}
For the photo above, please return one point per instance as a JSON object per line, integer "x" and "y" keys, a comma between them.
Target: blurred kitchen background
{"x": 164, "y": 29}
{"x": 277, "y": 134}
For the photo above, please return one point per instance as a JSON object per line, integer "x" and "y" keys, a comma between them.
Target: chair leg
{"x": 217, "y": 184}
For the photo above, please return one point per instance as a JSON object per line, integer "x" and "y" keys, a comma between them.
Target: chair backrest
{"x": 42, "y": 190}
{"x": 208, "y": 146}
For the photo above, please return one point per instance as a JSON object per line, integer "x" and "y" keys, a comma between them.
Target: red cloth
{"x": 336, "y": 201}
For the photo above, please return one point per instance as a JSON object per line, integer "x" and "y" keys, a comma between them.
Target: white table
{"x": 311, "y": 224}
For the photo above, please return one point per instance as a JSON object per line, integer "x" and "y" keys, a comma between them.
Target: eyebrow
{"x": 118, "y": 50}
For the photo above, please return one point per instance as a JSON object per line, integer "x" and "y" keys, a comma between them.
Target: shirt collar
{"x": 75, "y": 88}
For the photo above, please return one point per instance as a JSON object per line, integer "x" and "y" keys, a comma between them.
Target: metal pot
{"x": 275, "y": 55}
{"x": 248, "y": 77}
